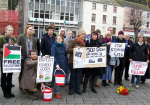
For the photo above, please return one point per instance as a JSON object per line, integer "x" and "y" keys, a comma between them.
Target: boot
{"x": 4, "y": 89}
{"x": 104, "y": 83}
{"x": 9, "y": 92}
{"x": 30, "y": 95}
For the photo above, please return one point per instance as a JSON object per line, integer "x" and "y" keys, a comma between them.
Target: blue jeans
{"x": 75, "y": 77}
{"x": 56, "y": 88}
{"x": 67, "y": 75}
{"x": 137, "y": 81}
{"x": 107, "y": 74}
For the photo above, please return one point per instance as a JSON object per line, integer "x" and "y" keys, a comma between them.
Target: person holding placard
{"x": 119, "y": 69}
{"x": 60, "y": 60}
{"x": 93, "y": 72}
{"x": 108, "y": 74}
{"x": 77, "y": 42}
{"x": 138, "y": 53}
{"x": 6, "y": 78}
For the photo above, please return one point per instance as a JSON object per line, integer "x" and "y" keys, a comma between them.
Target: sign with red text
{"x": 138, "y": 68}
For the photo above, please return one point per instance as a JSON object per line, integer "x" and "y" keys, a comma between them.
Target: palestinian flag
{"x": 12, "y": 52}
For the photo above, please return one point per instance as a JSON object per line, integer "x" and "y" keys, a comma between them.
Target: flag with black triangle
{"x": 11, "y": 59}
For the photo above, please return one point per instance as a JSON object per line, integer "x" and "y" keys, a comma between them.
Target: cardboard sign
{"x": 89, "y": 57}
{"x": 11, "y": 59}
{"x": 117, "y": 49}
{"x": 45, "y": 69}
{"x": 138, "y": 68}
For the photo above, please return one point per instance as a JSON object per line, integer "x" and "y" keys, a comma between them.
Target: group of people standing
{"x": 61, "y": 47}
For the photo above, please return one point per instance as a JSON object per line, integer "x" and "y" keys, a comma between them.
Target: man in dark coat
{"x": 47, "y": 41}
{"x": 127, "y": 55}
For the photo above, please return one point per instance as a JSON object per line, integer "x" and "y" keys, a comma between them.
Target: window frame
{"x": 105, "y": 19}
{"x": 115, "y": 19}
{"x": 105, "y": 9}
{"x": 94, "y": 17}
{"x": 94, "y": 7}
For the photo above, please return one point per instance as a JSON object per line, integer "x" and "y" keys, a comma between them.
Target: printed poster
{"x": 11, "y": 59}
{"x": 45, "y": 69}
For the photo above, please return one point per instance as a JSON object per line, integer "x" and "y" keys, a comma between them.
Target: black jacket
{"x": 129, "y": 47}
{"x": 93, "y": 71}
{"x": 45, "y": 45}
{"x": 139, "y": 53}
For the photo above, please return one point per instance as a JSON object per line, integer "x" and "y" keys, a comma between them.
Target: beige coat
{"x": 28, "y": 80}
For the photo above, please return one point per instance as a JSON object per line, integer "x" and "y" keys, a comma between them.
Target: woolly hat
{"x": 120, "y": 32}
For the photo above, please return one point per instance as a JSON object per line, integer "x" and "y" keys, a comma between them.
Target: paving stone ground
{"x": 105, "y": 96}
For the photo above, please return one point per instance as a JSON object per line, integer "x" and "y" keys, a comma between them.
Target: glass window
{"x": 114, "y": 19}
{"x": 147, "y": 24}
{"x": 57, "y": 2}
{"x": 93, "y": 17}
{"x": 62, "y": 2}
{"x": 68, "y": 3}
{"x": 104, "y": 7}
{"x": 148, "y": 15}
{"x": 76, "y": 5}
{"x": 92, "y": 28}
{"x": 36, "y": 0}
{"x": 52, "y": 1}
{"x": 132, "y": 12}
{"x": 93, "y": 5}
{"x": 104, "y": 18}
{"x": 115, "y": 9}
{"x": 131, "y": 22}
{"x": 62, "y": 16}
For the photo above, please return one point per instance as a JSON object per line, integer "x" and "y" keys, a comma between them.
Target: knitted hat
{"x": 120, "y": 32}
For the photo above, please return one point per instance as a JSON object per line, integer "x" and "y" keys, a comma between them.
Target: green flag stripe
{"x": 11, "y": 56}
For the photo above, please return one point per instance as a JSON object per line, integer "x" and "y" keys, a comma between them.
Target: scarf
{"x": 68, "y": 38}
{"x": 140, "y": 43}
{"x": 81, "y": 41}
{"x": 58, "y": 44}
{"x": 106, "y": 40}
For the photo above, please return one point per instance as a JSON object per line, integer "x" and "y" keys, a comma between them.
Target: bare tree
{"x": 136, "y": 18}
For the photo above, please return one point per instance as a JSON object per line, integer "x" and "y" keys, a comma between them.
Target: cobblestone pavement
{"x": 105, "y": 96}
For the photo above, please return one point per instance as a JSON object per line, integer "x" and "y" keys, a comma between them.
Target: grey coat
{"x": 28, "y": 80}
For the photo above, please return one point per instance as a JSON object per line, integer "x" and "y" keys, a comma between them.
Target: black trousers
{"x": 119, "y": 70}
{"x": 22, "y": 66}
{"x": 6, "y": 81}
{"x": 86, "y": 81}
{"x": 126, "y": 68}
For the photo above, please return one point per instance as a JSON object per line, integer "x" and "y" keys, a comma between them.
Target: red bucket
{"x": 60, "y": 78}
{"x": 47, "y": 94}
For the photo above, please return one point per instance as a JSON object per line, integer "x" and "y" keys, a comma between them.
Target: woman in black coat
{"x": 93, "y": 42}
{"x": 138, "y": 53}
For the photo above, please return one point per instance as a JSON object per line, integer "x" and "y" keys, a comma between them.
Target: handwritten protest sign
{"x": 138, "y": 68}
{"x": 11, "y": 59}
{"x": 89, "y": 57}
{"x": 45, "y": 69}
{"x": 117, "y": 49}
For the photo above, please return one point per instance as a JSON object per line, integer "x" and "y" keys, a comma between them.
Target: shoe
{"x": 127, "y": 79}
{"x": 71, "y": 93}
{"x": 11, "y": 95}
{"x": 143, "y": 81}
{"x": 97, "y": 85}
{"x": 22, "y": 91}
{"x": 13, "y": 85}
{"x": 32, "y": 97}
{"x": 137, "y": 86}
{"x": 109, "y": 81}
{"x": 58, "y": 96}
{"x": 103, "y": 84}
{"x": 107, "y": 84}
{"x": 93, "y": 90}
{"x": 115, "y": 83}
{"x": 7, "y": 96}
{"x": 131, "y": 85}
{"x": 81, "y": 81}
{"x": 120, "y": 83}
{"x": 80, "y": 93}
{"x": 84, "y": 90}
{"x": 67, "y": 83}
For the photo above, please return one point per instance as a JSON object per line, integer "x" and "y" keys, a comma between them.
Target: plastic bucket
{"x": 59, "y": 78}
{"x": 47, "y": 94}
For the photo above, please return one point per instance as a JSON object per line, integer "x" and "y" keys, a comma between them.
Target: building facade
{"x": 102, "y": 14}
{"x": 62, "y": 13}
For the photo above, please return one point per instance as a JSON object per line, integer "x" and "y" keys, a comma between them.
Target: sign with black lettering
{"x": 138, "y": 68}
{"x": 117, "y": 49}
{"x": 45, "y": 69}
{"x": 89, "y": 57}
